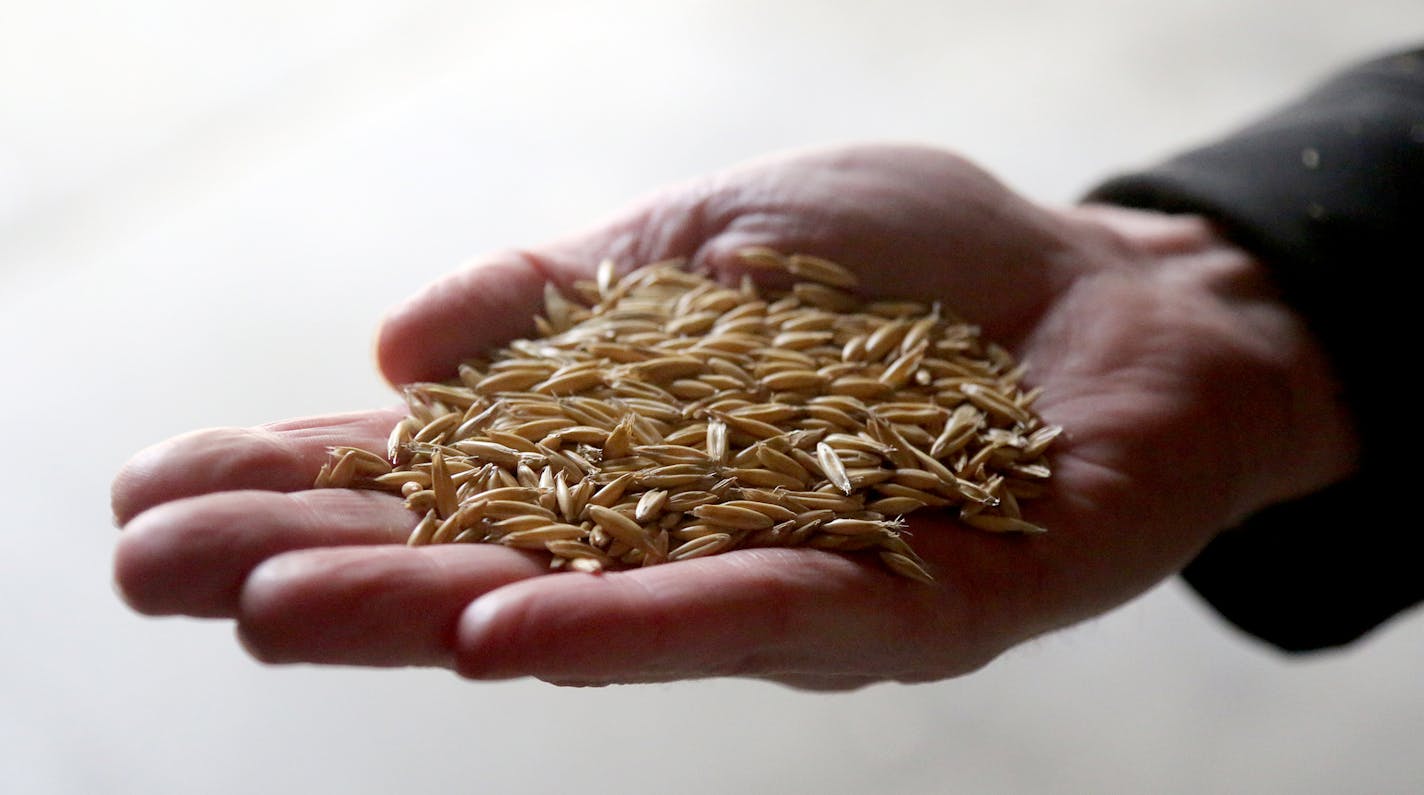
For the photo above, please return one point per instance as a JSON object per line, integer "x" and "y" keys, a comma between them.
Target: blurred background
{"x": 205, "y": 208}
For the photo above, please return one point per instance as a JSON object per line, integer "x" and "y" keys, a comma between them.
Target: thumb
{"x": 460, "y": 315}
{"x": 493, "y": 299}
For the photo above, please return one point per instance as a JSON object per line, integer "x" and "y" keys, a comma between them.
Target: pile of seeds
{"x": 663, "y": 416}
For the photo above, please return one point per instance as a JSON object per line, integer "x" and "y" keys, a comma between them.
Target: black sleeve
{"x": 1329, "y": 193}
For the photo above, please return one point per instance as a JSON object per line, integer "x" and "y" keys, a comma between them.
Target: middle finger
{"x": 191, "y": 556}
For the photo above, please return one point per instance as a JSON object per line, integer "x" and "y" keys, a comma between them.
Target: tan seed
{"x": 733, "y": 516}
{"x": 619, "y": 526}
{"x": 821, "y": 270}
{"x": 1001, "y": 524}
{"x": 650, "y": 505}
{"x": 833, "y": 468}
{"x": 709, "y": 544}
{"x": 906, "y": 567}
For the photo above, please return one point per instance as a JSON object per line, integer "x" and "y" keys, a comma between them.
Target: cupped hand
{"x": 1190, "y": 397}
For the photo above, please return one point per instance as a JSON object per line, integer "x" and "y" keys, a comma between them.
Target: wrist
{"x": 1276, "y": 404}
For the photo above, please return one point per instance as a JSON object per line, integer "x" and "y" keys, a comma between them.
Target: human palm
{"x": 1159, "y": 348}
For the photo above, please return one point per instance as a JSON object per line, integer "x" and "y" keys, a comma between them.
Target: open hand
{"x": 1190, "y": 397}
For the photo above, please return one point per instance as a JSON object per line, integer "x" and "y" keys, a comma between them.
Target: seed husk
{"x": 1002, "y": 524}
{"x": 833, "y": 468}
{"x": 821, "y": 270}
{"x": 446, "y": 502}
{"x": 853, "y": 527}
{"x": 620, "y": 526}
{"x": 650, "y": 505}
{"x": 906, "y": 567}
{"x": 766, "y": 478}
{"x": 424, "y": 530}
{"x": 709, "y": 544}
{"x": 539, "y": 537}
{"x": 734, "y": 516}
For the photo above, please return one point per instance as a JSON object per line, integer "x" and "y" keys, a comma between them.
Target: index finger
{"x": 283, "y": 456}
{"x": 491, "y": 301}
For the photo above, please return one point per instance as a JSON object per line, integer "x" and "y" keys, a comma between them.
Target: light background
{"x": 205, "y": 207}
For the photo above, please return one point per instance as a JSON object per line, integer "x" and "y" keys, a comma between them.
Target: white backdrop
{"x": 205, "y": 207}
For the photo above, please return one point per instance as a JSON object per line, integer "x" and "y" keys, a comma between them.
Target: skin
{"x": 1191, "y": 397}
